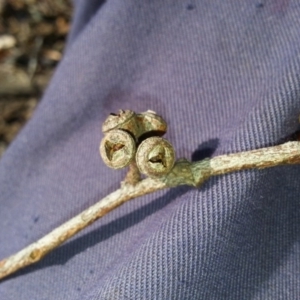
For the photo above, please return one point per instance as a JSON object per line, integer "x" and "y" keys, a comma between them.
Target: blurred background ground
{"x": 32, "y": 39}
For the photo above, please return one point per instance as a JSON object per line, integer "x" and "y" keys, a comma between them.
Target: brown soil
{"x": 32, "y": 39}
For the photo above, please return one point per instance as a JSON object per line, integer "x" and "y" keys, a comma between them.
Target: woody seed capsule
{"x": 155, "y": 157}
{"x": 117, "y": 149}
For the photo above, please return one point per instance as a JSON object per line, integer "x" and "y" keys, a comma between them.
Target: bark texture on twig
{"x": 184, "y": 172}
{"x": 288, "y": 153}
{"x": 40, "y": 248}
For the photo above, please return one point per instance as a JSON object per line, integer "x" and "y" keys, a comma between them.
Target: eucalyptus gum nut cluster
{"x": 125, "y": 130}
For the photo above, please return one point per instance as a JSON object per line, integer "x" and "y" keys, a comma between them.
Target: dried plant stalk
{"x": 184, "y": 172}
{"x": 36, "y": 251}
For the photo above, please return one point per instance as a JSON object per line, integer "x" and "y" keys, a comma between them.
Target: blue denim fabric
{"x": 225, "y": 75}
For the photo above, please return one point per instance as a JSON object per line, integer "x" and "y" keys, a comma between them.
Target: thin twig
{"x": 184, "y": 172}
{"x": 36, "y": 251}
